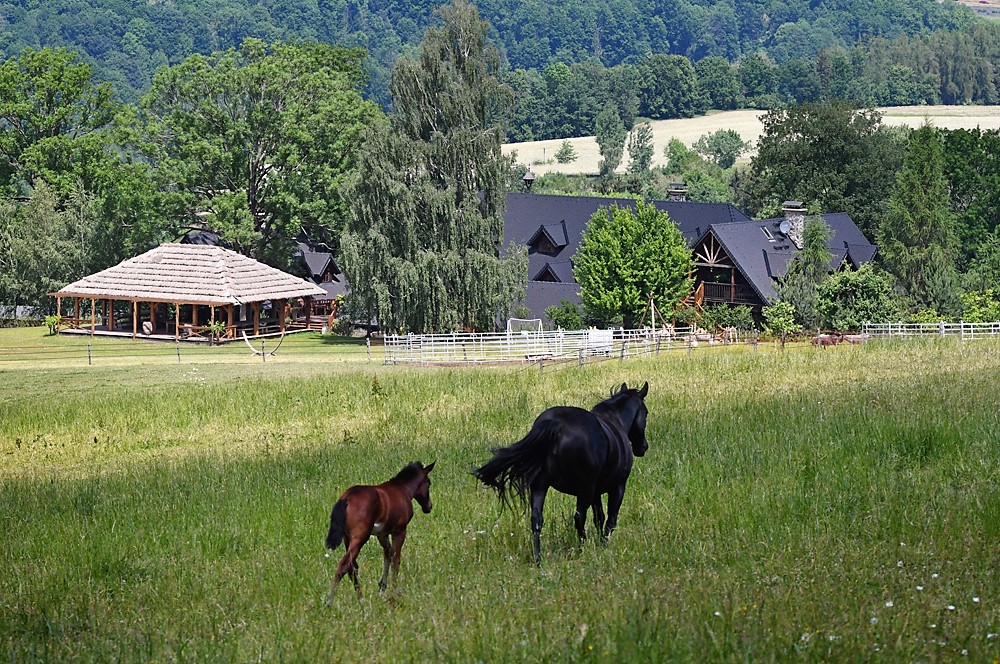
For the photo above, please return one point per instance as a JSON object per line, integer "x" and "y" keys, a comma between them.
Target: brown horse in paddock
{"x": 383, "y": 510}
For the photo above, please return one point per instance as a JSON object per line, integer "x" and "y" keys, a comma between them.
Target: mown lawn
{"x": 811, "y": 505}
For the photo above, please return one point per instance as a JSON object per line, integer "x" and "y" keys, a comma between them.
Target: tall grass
{"x": 815, "y": 505}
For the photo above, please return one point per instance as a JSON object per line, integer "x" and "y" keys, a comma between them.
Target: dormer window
{"x": 549, "y": 239}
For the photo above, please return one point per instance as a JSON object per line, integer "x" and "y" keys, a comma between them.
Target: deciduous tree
{"x": 627, "y": 256}
{"x": 256, "y": 143}
{"x": 422, "y": 252}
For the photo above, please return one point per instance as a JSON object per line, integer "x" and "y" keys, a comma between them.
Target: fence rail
{"x": 535, "y": 346}
{"x": 961, "y": 330}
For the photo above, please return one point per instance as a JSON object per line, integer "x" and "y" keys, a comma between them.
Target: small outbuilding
{"x": 187, "y": 291}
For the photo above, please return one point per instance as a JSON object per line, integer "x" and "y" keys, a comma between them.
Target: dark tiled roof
{"x": 762, "y": 260}
{"x": 541, "y": 294}
{"x": 528, "y": 215}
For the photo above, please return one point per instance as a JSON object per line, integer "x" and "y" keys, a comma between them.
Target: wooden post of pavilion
{"x": 281, "y": 315}
{"x": 135, "y": 317}
{"x": 177, "y": 321}
{"x": 256, "y": 318}
{"x": 58, "y": 313}
{"x": 152, "y": 317}
{"x": 93, "y": 315}
{"x": 732, "y": 285}
{"x": 76, "y": 312}
{"x": 194, "y": 318}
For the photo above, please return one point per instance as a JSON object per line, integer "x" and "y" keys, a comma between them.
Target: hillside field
{"x": 540, "y": 155}
{"x": 809, "y": 505}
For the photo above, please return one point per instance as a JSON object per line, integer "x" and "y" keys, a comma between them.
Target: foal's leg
{"x": 580, "y": 516}
{"x": 537, "y": 504}
{"x": 614, "y": 504}
{"x": 383, "y": 539}
{"x": 397, "y": 548}
{"x": 348, "y": 565}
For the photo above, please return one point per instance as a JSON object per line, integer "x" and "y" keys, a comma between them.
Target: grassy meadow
{"x": 808, "y": 505}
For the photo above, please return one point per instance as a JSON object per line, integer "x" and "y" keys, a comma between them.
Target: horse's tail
{"x": 338, "y": 521}
{"x": 515, "y": 467}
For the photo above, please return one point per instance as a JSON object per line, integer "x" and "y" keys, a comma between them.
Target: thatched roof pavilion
{"x": 179, "y": 282}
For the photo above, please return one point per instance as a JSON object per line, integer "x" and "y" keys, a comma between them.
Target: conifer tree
{"x": 807, "y": 271}
{"x": 916, "y": 237}
{"x": 422, "y": 251}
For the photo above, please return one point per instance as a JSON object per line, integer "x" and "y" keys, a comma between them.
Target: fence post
{"x": 178, "y": 351}
{"x": 624, "y": 346}
{"x": 579, "y": 354}
{"x": 657, "y": 345}
{"x": 368, "y": 345}
{"x": 90, "y": 360}
{"x": 263, "y": 355}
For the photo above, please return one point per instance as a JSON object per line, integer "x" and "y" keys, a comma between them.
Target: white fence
{"x": 534, "y": 346}
{"x": 961, "y": 330}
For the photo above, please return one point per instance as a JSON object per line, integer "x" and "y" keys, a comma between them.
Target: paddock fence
{"x": 961, "y": 330}
{"x": 542, "y": 346}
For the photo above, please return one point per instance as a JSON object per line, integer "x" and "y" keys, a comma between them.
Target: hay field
{"x": 541, "y": 154}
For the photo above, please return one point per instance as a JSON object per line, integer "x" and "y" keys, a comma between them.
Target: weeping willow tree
{"x": 422, "y": 251}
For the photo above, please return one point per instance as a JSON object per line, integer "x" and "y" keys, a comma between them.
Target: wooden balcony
{"x": 730, "y": 294}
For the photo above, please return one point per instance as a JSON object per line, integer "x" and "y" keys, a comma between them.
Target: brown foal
{"x": 383, "y": 510}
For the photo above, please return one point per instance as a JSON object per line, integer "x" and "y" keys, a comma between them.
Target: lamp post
{"x": 529, "y": 179}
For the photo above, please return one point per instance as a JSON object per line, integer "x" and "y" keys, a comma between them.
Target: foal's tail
{"x": 516, "y": 466}
{"x": 338, "y": 520}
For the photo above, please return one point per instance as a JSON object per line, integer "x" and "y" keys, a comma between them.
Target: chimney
{"x": 677, "y": 191}
{"x": 795, "y": 221}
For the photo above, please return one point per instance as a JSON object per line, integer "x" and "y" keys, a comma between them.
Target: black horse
{"x": 579, "y": 452}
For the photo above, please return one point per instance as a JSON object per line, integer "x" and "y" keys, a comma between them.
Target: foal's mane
{"x": 409, "y": 472}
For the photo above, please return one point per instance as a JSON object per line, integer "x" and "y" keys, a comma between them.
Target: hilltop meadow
{"x": 540, "y": 155}
{"x": 812, "y": 505}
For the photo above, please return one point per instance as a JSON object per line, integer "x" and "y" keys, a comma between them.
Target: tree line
{"x": 944, "y": 67}
{"x": 126, "y": 43}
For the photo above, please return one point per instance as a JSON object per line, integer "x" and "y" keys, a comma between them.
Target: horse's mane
{"x": 409, "y": 471}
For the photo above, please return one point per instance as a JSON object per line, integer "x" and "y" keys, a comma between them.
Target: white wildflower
{"x": 920, "y": 587}
{"x": 951, "y": 607}
{"x": 889, "y": 603}
{"x": 874, "y": 620}
{"x": 975, "y": 600}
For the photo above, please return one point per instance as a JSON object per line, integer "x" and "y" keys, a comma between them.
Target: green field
{"x": 807, "y": 505}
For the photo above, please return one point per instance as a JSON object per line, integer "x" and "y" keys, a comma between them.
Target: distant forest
{"x": 566, "y": 60}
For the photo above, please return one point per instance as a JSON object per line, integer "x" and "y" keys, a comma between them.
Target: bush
{"x": 850, "y": 298}
{"x": 981, "y": 306}
{"x": 567, "y": 315}
{"x": 726, "y": 315}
